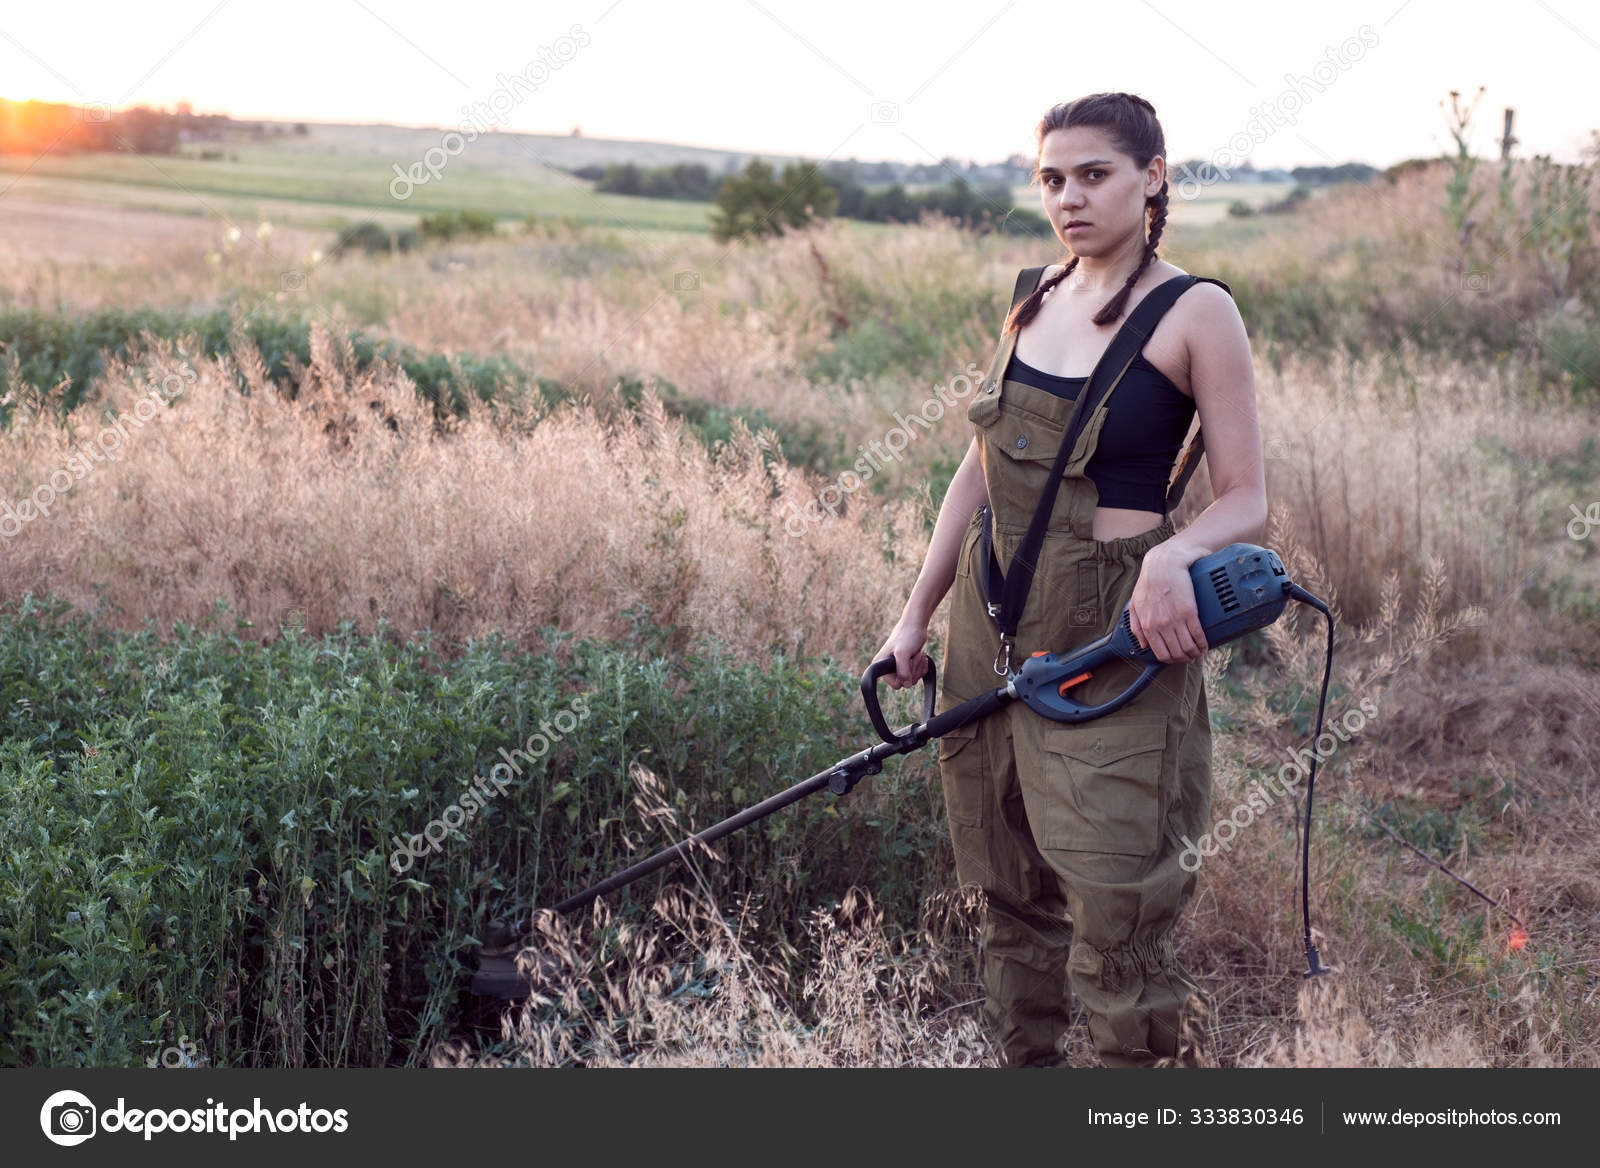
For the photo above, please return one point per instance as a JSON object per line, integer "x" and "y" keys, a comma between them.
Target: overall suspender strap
{"x": 1027, "y": 281}
{"x": 992, "y": 582}
{"x": 1013, "y": 587}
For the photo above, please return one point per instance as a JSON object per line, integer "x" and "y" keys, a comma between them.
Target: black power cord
{"x": 1314, "y": 966}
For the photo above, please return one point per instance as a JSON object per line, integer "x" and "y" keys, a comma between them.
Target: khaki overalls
{"x": 1072, "y": 831}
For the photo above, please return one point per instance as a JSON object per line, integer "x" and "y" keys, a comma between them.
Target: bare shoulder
{"x": 1211, "y": 297}
{"x": 1213, "y": 332}
{"x": 1207, "y": 335}
{"x": 1210, "y": 310}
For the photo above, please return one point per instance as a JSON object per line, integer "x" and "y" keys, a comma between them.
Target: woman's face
{"x": 1082, "y": 176}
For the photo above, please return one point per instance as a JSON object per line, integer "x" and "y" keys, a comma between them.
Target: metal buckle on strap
{"x": 1002, "y": 659}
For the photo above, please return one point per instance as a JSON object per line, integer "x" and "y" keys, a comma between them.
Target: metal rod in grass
{"x": 1516, "y": 942}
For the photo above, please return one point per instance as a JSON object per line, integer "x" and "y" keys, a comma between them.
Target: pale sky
{"x": 837, "y": 78}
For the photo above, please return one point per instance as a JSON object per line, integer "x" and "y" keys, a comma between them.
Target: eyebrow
{"x": 1080, "y": 166}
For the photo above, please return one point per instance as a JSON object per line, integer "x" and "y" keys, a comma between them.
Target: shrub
{"x": 372, "y": 239}
{"x": 759, "y": 203}
{"x": 443, "y": 226}
{"x": 51, "y": 349}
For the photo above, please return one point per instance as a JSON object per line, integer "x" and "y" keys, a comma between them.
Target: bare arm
{"x": 1164, "y": 615}
{"x": 967, "y": 490}
{"x": 1223, "y": 379}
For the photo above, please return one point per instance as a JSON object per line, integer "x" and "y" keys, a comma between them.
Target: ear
{"x": 1155, "y": 174}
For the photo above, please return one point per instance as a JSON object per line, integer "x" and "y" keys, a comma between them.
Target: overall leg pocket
{"x": 1103, "y": 781}
{"x": 962, "y": 776}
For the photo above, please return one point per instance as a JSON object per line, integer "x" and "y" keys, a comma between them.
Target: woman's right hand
{"x": 905, "y": 645}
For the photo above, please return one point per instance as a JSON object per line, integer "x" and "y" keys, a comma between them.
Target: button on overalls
{"x": 1072, "y": 830}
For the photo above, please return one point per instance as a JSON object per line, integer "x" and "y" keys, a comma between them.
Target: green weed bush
{"x": 443, "y": 226}
{"x": 195, "y": 835}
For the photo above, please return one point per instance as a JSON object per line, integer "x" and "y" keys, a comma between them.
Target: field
{"x": 342, "y": 173}
{"x": 384, "y": 516}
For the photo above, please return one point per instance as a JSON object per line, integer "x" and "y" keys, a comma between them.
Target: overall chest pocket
{"x": 1020, "y": 434}
{"x": 1104, "y": 789}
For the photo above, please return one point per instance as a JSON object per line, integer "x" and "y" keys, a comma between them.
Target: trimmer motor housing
{"x": 1236, "y": 590}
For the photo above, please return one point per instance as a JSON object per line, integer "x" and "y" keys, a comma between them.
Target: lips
{"x": 1077, "y": 223}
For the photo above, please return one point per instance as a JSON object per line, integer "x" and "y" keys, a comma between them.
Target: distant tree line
{"x": 977, "y": 207}
{"x": 680, "y": 181}
{"x": 1347, "y": 172}
{"x": 36, "y": 127}
{"x": 625, "y": 178}
{"x": 759, "y": 201}
{"x": 1242, "y": 209}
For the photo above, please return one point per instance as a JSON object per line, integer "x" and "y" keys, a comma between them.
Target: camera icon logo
{"x": 884, "y": 111}
{"x": 67, "y": 1118}
{"x": 686, "y": 281}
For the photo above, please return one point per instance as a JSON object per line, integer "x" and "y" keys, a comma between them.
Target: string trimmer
{"x": 1237, "y": 590}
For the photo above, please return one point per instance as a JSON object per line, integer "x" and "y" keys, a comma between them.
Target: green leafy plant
{"x": 197, "y": 835}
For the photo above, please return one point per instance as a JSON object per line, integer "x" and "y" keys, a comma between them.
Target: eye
{"x": 1096, "y": 172}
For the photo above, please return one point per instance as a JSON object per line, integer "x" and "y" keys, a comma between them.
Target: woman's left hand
{"x": 1163, "y": 612}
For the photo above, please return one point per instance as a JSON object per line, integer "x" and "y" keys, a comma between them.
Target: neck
{"x": 1112, "y": 269}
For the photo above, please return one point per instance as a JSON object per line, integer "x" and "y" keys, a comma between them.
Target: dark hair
{"x": 1130, "y": 122}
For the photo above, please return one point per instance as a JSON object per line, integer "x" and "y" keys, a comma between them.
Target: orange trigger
{"x": 1072, "y": 681}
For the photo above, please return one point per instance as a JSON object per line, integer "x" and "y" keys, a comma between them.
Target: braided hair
{"x": 1130, "y": 122}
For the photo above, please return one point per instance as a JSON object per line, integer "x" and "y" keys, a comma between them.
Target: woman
{"x": 1072, "y": 830}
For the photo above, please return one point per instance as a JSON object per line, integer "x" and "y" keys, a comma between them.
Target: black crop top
{"x": 1144, "y": 427}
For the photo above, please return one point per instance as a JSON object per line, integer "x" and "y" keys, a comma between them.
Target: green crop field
{"x": 341, "y": 173}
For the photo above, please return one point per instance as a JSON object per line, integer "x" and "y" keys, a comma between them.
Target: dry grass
{"x": 1499, "y": 763}
{"x": 348, "y": 504}
{"x": 689, "y": 989}
{"x": 1397, "y": 236}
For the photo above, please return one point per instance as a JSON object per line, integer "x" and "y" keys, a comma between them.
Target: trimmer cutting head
{"x": 497, "y": 975}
